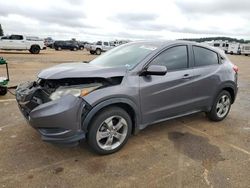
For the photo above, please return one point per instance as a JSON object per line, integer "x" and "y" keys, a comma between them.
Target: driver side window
{"x": 174, "y": 58}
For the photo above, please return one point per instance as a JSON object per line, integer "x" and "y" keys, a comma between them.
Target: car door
{"x": 106, "y": 46}
{"x": 17, "y": 42}
{"x": 207, "y": 72}
{"x": 166, "y": 96}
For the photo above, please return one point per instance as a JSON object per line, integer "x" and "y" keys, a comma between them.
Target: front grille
{"x": 30, "y": 95}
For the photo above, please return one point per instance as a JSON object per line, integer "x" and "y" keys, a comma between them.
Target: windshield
{"x": 126, "y": 55}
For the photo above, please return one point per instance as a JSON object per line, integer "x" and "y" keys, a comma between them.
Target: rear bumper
{"x": 59, "y": 121}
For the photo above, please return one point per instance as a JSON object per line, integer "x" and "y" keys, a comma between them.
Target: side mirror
{"x": 155, "y": 70}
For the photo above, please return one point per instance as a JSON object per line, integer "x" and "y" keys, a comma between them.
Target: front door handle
{"x": 187, "y": 76}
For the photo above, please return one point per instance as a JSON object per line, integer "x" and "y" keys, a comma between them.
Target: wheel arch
{"x": 232, "y": 93}
{"x": 231, "y": 88}
{"x": 126, "y": 104}
{"x": 33, "y": 45}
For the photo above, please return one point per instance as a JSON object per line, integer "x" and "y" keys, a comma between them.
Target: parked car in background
{"x": 81, "y": 45}
{"x": 125, "y": 90}
{"x": 118, "y": 42}
{"x": 234, "y": 48}
{"x": 245, "y": 49}
{"x": 99, "y": 47}
{"x": 223, "y": 45}
{"x": 66, "y": 45}
{"x": 49, "y": 42}
{"x": 21, "y": 42}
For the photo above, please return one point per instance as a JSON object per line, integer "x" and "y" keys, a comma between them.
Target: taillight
{"x": 235, "y": 68}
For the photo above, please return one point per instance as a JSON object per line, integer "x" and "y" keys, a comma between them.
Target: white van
{"x": 245, "y": 49}
{"x": 223, "y": 45}
{"x": 234, "y": 48}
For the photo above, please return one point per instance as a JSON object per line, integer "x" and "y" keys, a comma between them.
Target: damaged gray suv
{"x": 125, "y": 90}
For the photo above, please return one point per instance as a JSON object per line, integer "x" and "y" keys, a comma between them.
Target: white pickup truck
{"x": 99, "y": 47}
{"x": 20, "y": 42}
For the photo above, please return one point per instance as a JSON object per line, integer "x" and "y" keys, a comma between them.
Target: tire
{"x": 221, "y": 106}
{"x": 92, "y": 52}
{"x": 74, "y": 49}
{"x": 35, "y": 49}
{"x": 112, "y": 134}
{"x": 81, "y": 48}
{"x": 3, "y": 90}
{"x": 98, "y": 51}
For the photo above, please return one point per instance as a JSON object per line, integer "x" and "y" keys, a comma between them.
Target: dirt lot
{"x": 186, "y": 152}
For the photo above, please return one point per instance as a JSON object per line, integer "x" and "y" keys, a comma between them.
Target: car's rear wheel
{"x": 221, "y": 106}
{"x": 59, "y": 48}
{"x": 109, "y": 130}
{"x": 81, "y": 48}
{"x": 98, "y": 51}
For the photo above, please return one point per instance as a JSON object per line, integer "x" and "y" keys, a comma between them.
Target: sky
{"x": 92, "y": 20}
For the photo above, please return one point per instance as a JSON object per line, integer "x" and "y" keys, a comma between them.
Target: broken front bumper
{"x": 58, "y": 121}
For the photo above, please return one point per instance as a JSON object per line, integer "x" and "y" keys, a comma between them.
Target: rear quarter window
{"x": 204, "y": 56}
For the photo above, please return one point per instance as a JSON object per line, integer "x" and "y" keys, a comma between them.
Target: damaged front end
{"x": 56, "y": 108}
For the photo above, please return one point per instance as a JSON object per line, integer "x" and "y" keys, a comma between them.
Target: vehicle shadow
{"x": 19, "y": 52}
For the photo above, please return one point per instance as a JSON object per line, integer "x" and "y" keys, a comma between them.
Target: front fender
{"x": 109, "y": 102}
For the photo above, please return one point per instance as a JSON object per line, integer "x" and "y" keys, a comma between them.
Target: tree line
{"x": 1, "y": 30}
{"x": 229, "y": 39}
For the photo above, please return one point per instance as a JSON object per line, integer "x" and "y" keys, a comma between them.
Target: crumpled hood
{"x": 80, "y": 70}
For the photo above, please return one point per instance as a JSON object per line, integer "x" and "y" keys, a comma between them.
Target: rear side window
{"x": 106, "y": 43}
{"x": 204, "y": 56}
{"x": 174, "y": 58}
{"x": 99, "y": 43}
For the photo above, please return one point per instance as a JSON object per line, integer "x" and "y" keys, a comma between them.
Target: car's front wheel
{"x": 98, "y": 51}
{"x": 221, "y": 106}
{"x": 109, "y": 130}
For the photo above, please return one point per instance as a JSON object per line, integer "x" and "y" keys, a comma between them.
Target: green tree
{"x": 1, "y": 30}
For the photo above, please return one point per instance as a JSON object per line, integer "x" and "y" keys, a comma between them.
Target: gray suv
{"x": 125, "y": 90}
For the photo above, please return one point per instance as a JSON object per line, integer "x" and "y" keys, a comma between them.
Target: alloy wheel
{"x": 223, "y": 106}
{"x": 112, "y": 133}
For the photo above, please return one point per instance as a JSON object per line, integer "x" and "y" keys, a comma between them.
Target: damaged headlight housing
{"x": 81, "y": 90}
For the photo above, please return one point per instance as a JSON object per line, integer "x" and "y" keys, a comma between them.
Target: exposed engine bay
{"x": 32, "y": 94}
